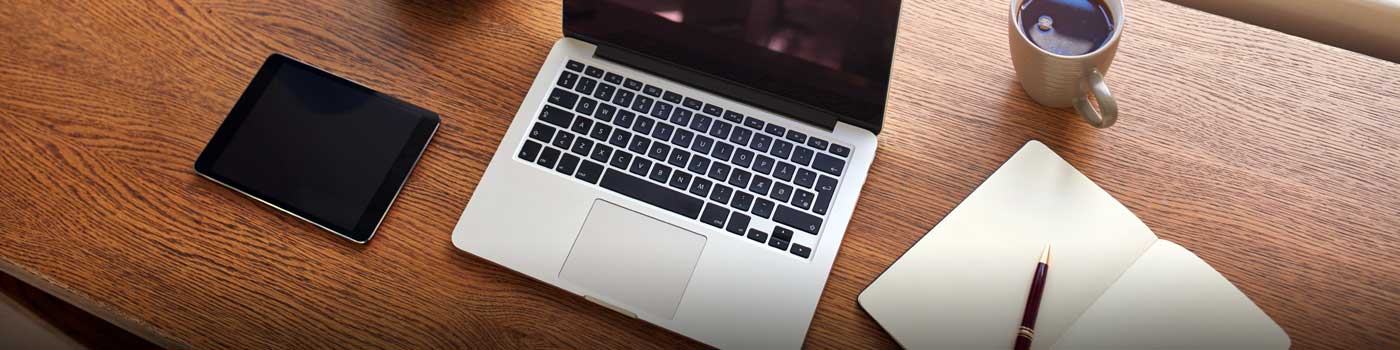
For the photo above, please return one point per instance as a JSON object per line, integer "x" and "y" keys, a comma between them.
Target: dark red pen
{"x": 1027, "y": 331}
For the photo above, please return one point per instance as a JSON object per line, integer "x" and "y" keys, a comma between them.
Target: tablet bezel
{"x": 387, "y": 191}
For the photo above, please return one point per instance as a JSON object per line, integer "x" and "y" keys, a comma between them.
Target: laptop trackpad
{"x": 631, "y": 259}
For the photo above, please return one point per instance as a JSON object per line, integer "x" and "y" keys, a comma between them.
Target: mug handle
{"x": 1107, "y": 113}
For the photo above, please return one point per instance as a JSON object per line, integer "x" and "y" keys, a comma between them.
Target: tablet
{"x": 317, "y": 146}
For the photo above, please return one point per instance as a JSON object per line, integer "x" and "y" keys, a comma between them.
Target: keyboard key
{"x": 605, "y": 112}
{"x": 763, "y": 208}
{"x": 567, "y": 164}
{"x": 582, "y": 125}
{"x": 660, "y": 173}
{"x": 657, "y": 195}
{"x": 763, "y": 164}
{"x": 682, "y": 138}
{"x": 733, "y": 117}
{"x": 573, "y": 65}
{"x": 714, "y": 215}
{"x": 639, "y": 145}
{"x": 805, "y": 178}
{"x": 775, "y": 130}
{"x": 621, "y": 159}
{"x": 719, "y": 172}
{"x": 681, "y": 117}
{"x": 642, "y": 105}
{"x": 548, "y": 157}
{"x": 739, "y": 178}
{"x": 713, "y": 110}
{"x": 653, "y": 91}
{"x": 721, "y": 193}
{"x": 742, "y": 200}
{"x": 567, "y": 80}
{"x": 643, "y": 125}
{"x": 701, "y": 186}
{"x": 600, "y": 132}
{"x": 585, "y": 86}
{"x": 740, "y": 136}
{"x": 542, "y": 132}
{"x": 738, "y": 223}
{"x": 563, "y": 140}
{"x": 678, "y": 158}
{"x": 612, "y": 78}
{"x": 661, "y": 110}
{"x": 604, "y": 92}
{"x": 803, "y": 199}
{"x": 794, "y": 136}
{"x": 589, "y": 172}
{"x": 840, "y": 150}
{"x": 779, "y": 243}
{"x": 619, "y": 138}
{"x": 662, "y": 132}
{"x": 530, "y": 150}
{"x": 828, "y": 164}
{"x": 701, "y": 124}
{"x": 632, "y": 84}
{"x": 563, "y": 98}
{"x": 817, "y": 143}
{"x": 800, "y": 250}
{"x": 758, "y": 236}
{"x": 659, "y": 151}
{"x": 702, "y": 144}
{"x": 802, "y": 155}
{"x": 698, "y": 165}
{"x": 623, "y": 98}
{"x": 826, "y": 187}
{"x": 640, "y": 166}
{"x": 692, "y": 103}
{"x": 784, "y": 171}
{"x": 593, "y": 72}
{"x": 797, "y": 219}
{"x": 671, "y": 97}
{"x": 557, "y": 117}
{"x": 760, "y": 185}
{"x": 625, "y": 118}
{"x": 781, "y": 149}
{"x": 760, "y": 143}
{"x": 743, "y": 158}
{"x": 782, "y": 233}
{"x": 782, "y": 192}
{"x": 601, "y": 153}
{"x": 722, "y": 151}
{"x": 720, "y": 129}
{"x": 753, "y": 123}
{"x": 680, "y": 180}
{"x": 582, "y": 146}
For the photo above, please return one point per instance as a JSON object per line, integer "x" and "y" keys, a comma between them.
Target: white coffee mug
{"x": 1061, "y": 81}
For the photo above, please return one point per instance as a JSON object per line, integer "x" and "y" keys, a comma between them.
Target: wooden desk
{"x": 1274, "y": 158}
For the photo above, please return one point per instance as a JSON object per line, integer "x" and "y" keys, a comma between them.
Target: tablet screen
{"x": 319, "y": 144}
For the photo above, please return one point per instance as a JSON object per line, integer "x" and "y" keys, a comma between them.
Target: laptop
{"x": 693, "y": 164}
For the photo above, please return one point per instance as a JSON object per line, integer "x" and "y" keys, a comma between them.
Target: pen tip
{"x": 1045, "y": 254}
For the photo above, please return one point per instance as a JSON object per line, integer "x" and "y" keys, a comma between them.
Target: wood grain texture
{"x": 1273, "y": 158}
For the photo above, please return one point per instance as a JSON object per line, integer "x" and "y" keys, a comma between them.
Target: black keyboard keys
{"x": 548, "y": 157}
{"x": 661, "y": 110}
{"x": 719, "y": 172}
{"x": 698, "y": 164}
{"x": 794, "y": 136}
{"x": 585, "y": 86}
{"x": 781, "y": 149}
{"x": 600, "y": 132}
{"x": 652, "y": 90}
{"x": 671, "y": 97}
{"x": 640, "y": 166}
{"x": 782, "y": 192}
{"x": 784, "y": 171}
{"x": 582, "y": 125}
{"x": 826, "y": 187}
{"x": 701, "y": 124}
{"x": 753, "y": 123}
{"x": 733, "y": 117}
{"x": 740, "y": 136}
{"x": 542, "y": 133}
{"x": 623, "y": 98}
{"x": 743, "y": 158}
{"x": 530, "y": 150}
{"x": 604, "y": 92}
{"x": 589, "y": 172}
{"x": 758, "y": 236}
{"x": 660, "y": 173}
{"x": 742, "y": 200}
{"x": 682, "y": 138}
{"x": 760, "y": 143}
{"x": 567, "y": 164}
{"x": 621, "y": 159}
{"x": 840, "y": 150}
{"x": 619, "y": 138}
{"x": 763, "y": 164}
{"x": 720, "y": 129}
{"x": 680, "y": 180}
{"x": 760, "y": 185}
{"x": 739, "y": 178}
{"x": 639, "y": 145}
{"x": 762, "y": 207}
{"x": 714, "y": 214}
{"x": 721, "y": 193}
{"x": 775, "y": 130}
{"x": 593, "y": 72}
{"x": 632, "y": 84}
{"x": 563, "y": 98}
{"x": 805, "y": 178}
{"x": 642, "y": 105}
{"x": 681, "y": 117}
{"x": 797, "y": 219}
{"x": 800, "y": 250}
{"x": 660, "y": 196}
{"x": 574, "y": 65}
{"x": 612, "y": 78}
{"x": 601, "y": 153}
{"x": 828, "y": 164}
{"x": 779, "y": 243}
{"x": 803, "y": 199}
{"x": 659, "y": 151}
{"x": 701, "y": 186}
{"x": 722, "y": 151}
{"x": 802, "y": 155}
{"x": 738, "y": 223}
{"x": 567, "y": 80}
{"x": 713, "y": 110}
{"x": 678, "y": 158}
{"x": 582, "y": 146}
{"x": 625, "y": 118}
{"x": 557, "y": 117}
{"x": 563, "y": 140}
{"x": 702, "y": 144}
{"x": 692, "y": 103}
{"x": 643, "y": 125}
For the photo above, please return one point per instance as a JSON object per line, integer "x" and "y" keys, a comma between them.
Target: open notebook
{"x": 1112, "y": 284}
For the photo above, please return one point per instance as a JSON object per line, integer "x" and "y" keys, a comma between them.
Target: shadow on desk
{"x": 50, "y": 323}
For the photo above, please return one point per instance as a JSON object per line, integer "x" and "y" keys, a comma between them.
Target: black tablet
{"x": 317, "y": 146}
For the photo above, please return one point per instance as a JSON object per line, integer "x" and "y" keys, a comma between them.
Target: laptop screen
{"x": 833, "y": 55}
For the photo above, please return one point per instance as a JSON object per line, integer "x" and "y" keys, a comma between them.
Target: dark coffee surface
{"x": 1066, "y": 27}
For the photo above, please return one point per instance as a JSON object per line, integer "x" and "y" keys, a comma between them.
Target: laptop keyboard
{"x": 686, "y": 156}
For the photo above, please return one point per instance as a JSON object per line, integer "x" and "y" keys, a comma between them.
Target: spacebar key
{"x": 646, "y": 191}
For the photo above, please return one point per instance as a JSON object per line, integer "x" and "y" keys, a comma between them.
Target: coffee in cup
{"x": 1061, "y": 50}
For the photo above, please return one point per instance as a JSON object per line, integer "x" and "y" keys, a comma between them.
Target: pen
{"x": 1027, "y": 331}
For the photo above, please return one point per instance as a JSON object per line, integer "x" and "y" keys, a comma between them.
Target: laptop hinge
{"x": 719, "y": 86}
